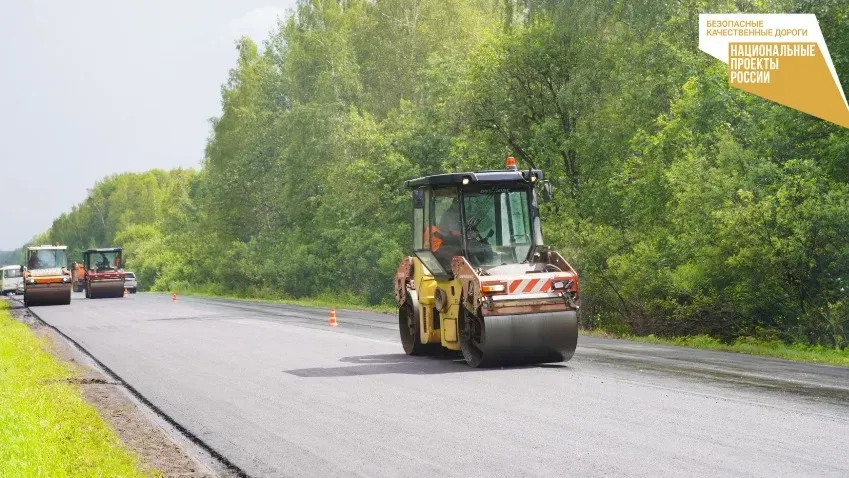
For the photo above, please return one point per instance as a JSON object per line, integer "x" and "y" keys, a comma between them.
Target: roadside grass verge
{"x": 46, "y": 428}
{"x": 744, "y": 345}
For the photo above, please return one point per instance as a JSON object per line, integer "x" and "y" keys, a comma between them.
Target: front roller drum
{"x": 105, "y": 290}
{"x": 34, "y": 297}
{"x": 523, "y": 339}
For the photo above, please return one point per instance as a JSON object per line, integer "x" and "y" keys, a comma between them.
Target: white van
{"x": 11, "y": 280}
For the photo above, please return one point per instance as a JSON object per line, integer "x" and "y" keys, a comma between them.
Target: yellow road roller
{"x": 47, "y": 280}
{"x": 480, "y": 280}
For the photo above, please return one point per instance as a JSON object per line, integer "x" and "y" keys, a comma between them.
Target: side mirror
{"x": 546, "y": 191}
{"x": 418, "y": 198}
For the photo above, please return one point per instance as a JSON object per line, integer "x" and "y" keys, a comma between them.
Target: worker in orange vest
{"x": 447, "y": 233}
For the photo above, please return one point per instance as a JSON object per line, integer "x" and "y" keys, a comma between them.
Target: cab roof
{"x": 105, "y": 249}
{"x": 476, "y": 177}
{"x": 46, "y": 248}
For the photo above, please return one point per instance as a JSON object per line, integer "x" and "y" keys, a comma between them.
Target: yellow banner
{"x": 779, "y": 57}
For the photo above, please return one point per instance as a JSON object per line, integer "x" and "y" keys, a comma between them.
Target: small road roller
{"x": 480, "y": 279}
{"x": 47, "y": 281}
{"x": 104, "y": 273}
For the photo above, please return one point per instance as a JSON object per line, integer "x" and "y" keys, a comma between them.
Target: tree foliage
{"x": 687, "y": 207}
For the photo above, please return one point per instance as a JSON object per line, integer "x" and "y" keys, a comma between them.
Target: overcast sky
{"x": 95, "y": 87}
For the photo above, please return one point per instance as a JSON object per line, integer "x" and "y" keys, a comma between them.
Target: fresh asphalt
{"x": 278, "y": 392}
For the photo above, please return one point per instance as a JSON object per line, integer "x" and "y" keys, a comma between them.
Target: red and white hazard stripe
{"x": 529, "y": 286}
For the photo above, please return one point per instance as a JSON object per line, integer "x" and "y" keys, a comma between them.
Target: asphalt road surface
{"x": 279, "y": 393}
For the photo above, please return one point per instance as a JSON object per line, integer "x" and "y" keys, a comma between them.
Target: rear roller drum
{"x": 471, "y": 339}
{"x": 408, "y": 325}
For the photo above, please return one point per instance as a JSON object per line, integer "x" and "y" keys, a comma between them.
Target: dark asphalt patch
{"x": 405, "y": 364}
{"x": 833, "y": 395}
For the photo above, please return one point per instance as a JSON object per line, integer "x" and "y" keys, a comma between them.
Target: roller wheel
{"x": 410, "y": 337}
{"x": 472, "y": 336}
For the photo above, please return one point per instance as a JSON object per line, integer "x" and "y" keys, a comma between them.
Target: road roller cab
{"x": 104, "y": 273}
{"x": 480, "y": 279}
{"x": 47, "y": 281}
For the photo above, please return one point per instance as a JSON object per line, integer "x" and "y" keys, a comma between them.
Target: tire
{"x": 409, "y": 329}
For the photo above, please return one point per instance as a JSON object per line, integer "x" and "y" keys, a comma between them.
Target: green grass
{"x": 46, "y": 428}
{"x": 745, "y": 345}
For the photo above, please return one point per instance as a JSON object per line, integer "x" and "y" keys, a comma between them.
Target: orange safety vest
{"x": 437, "y": 242}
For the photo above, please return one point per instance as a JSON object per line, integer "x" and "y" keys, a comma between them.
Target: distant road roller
{"x": 480, "y": 279}
{"x": 47, "y": 281}
{"x": 104, "y": 273}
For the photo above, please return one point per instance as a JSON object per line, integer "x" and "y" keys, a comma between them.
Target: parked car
{"x": 130, "y": 282}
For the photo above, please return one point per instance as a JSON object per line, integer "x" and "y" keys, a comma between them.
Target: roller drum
{"x": 545, "y": 337}
{"x": 47, "y": 295}
{"x": 102, "y": 289}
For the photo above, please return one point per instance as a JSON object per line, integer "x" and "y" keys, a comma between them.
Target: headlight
{"x": 493, "y": 288}
{"x": 30, "y": 280}
{"x": 66, "y": 279}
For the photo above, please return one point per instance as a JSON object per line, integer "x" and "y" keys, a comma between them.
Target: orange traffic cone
{"x": 174, "y": 297}
{"x": 332, "y": 322}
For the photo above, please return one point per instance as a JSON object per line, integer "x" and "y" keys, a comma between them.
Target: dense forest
{"x": 687, "y": 207}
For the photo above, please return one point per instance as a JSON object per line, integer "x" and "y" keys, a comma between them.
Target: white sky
{"x": 95, "y": 87}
